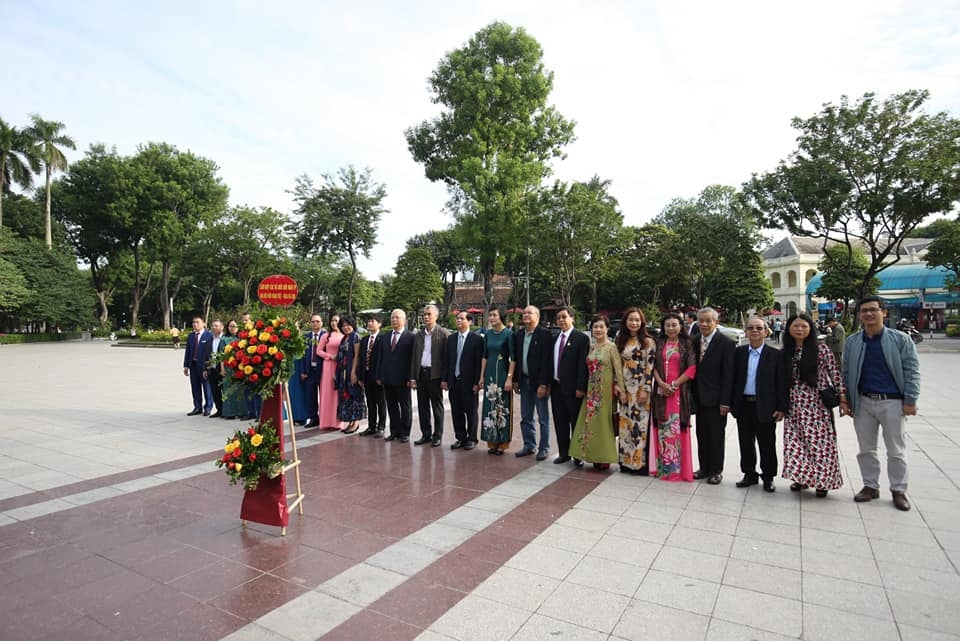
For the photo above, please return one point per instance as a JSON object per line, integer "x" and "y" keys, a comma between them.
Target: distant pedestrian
{"x": 175, "y": 337}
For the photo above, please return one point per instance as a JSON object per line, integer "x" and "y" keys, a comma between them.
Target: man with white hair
{"x": 394, "y": 372}
{"x": 713, "y": 392}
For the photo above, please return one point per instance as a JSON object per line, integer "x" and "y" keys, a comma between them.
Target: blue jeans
{"x": 529, "y": 401}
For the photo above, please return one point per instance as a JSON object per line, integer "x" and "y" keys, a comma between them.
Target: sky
{"x": 668, "y": 97}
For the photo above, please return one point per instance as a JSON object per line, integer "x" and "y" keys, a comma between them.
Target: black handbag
{"x": 829, "y": 397}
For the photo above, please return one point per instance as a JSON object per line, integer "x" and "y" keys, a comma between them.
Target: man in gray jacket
{"x": 427, "y": 371}
{"x": 882, "y": 373}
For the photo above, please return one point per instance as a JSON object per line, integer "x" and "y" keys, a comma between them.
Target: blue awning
{"x": 900, "y": 277}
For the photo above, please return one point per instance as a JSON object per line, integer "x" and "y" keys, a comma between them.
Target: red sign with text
{"x": 277, "y": 290}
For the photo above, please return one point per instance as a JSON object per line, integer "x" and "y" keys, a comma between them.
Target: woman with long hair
{"x": 496, "y": 419}
{"x": 327, "y": 350}
{"x": 234, "y": 403}
{"x": 351, "y": 402}
{"x": 675, "y": 365}
{"x": 638, "y": 352}
{"x": 593, "y": 439}
{"x": 809, "y": 435}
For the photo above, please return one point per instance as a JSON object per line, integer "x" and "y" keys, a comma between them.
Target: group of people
{"x": 631, "y": 401}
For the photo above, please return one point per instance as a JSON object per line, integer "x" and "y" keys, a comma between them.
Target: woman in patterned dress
{"x": 809, "y": 435}
{"x": 637, "y": 349}
{"x": 675, "y": 365}
{"x": 327, "y": 350}
{"x": 234, "y": 403}
{"x": 497, "y": 418}
{"x": 351, "y": 403}
{"x": 593, "y": 439}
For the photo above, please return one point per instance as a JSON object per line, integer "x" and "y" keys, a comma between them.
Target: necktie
{"x": 196, "y": 347}
{"x": 459, "y": 352}
{"x": 703, "y": 347}
{"x": 370, "y": 343}
{"x": 563, "y": 343}
{"x": 393, "y": 341}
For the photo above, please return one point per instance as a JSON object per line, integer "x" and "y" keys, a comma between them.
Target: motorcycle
{"x": 912, "y": 332}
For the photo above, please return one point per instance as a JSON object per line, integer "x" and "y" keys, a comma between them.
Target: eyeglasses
{"x": 870, "y": 310}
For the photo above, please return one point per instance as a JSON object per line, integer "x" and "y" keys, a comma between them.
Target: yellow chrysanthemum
{"x": 275, "y": 322}
{"x": 248, "y": 370}
{"x": 228, "y": 447}
{"x": 238, "y": 467}
{"x": 272, "y": 350}
{"x": 252, "y": 349}
{"x": 242, "y": 344}
{"x": 236, "y": 444}
{"x": 227, "y": 349}
{"x": 264, "y": 337}
{"x": 256, "y": 440}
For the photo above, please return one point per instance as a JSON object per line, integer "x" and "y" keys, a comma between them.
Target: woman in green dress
{"x": 497, "y": 365}
{"x": 593, "y": 437}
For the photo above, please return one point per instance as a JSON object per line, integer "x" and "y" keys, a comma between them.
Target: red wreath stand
{"x": 268, "y": 503}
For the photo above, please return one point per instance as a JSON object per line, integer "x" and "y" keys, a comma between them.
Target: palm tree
{"x": 46, "y": 136}
{"x": 17, "y": 161}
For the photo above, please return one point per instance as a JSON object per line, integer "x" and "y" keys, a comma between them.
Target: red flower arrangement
{"x": 263, "y": 354}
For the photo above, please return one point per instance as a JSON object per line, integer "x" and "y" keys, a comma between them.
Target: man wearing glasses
{"x": 882, "y": 373}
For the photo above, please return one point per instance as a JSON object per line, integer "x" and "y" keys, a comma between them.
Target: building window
{"x": 775, "y": 280}
{"x": 791, "y": 279}
{"x": 810, "y": 274}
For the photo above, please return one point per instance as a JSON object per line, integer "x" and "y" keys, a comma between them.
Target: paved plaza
{"x": 115, "y": 525}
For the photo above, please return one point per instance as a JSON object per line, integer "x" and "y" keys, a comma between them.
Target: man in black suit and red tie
{"x": 760, "y": 397}
{"x": 310, "y": 368}
{"x": 463, "y": 381}
{"x": 365, "y": 367}
{"x": 195, "y": 358}
{"x": 532, "y": 349}
{"x": 569, "y": 364}
{"x": 393, "y": 371}
{"x": 713, "y": 393}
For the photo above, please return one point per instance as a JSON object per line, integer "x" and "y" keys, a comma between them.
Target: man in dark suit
{"x": 393, "y": 373}
{"x": 712, "y": 391}
{"x": 195, "y": 358}
{"x": 532, "y": 349}
{"x": 569, "y": 368}
{"x": 212, "y": 373}
{"x": 365, "y": 367}
{"x": 310, "y": 368}
{"x": 760, "y": 397}
{"x": 427, "y": 372}
{"x": 693, "y": 330}
{"x": 463, "y": 380}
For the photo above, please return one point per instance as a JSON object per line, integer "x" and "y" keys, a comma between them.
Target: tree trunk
{"x": 49, "y": 232}
{"x": 165, "y": 294}
{"x": 487, "y": 272}
{"x": 353, "y": 280}
{"x": 104, "y": 314}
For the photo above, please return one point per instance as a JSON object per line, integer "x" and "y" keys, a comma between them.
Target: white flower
{"x": 488, "y": 422}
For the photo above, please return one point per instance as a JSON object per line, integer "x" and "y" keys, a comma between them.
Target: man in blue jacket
{"x": 882, "y": 373}
{"x": 195, "y": 357}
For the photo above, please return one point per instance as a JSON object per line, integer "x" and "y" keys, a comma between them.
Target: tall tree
{"x": 417, "y": 282}
{"x": 492, "y": 143}
{"x": 572, "y": 232}
{"x": 177, "y": 193}
{"x": 866, "y": 173}
{"x": 339, "y": 219}
{"x": 249, "y": 241}
{"x": 448, "y": 251}
{"x": 944, "y": 251}
{"x": 843, "y": 272}
{"x": 18, "y": 162}
{"x": 49, "y": 142}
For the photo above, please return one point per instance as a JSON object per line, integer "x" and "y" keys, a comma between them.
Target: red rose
{"x": 274, "y": 338}
{"x": 238, "y": 374}
{"x": 256, "y": 360}
{"x": 236, "y": 453}
{"x": 225, "y": 458}
{"x": 251, "y": 431}
{"x": 242, "y": 334}
{"x": 259, "y": 324}
{"x": 285, "y": 333}
{"x": 261, "y": 349}
{"x": 253, "y": 340}
{"x": 267, "y": 372}
{"x": 253, "y": 457}
{"x": 278, "y": 356}
{"x": 268, "y": 329}
{"x": 254, "y": 378}
{"x": 230, "y": 465}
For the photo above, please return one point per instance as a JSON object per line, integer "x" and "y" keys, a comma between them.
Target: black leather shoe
{"x": 561, "y": 459}
{"x": 768, "y": 485}
{"x": 403, "y": 439}
{"x": 699, "y": 475}
{"x": 523, "y": 453}
{"x": 311, "y": 424}
{"x": 456, "y": 445}
{"x": 578, "y": 462}
{"x": 469, "y": 445}
{"x": 367, "y": 432}
{"x": 542, "y": 456}
{"x": 215, "y": 414}
{"x": 715, "y": 479}
{"x": 423, "y": 440}
{"x": 194, "y": 412}
{"x": 747, "y": 481}
{"x": 206, "y": 412}
{"x": 435, "y": 442}
{"x": 390, "y": 438}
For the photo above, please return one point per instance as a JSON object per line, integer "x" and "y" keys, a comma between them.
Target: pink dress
{"x": 327, "y": 352}
{"x": 671, "y": 457}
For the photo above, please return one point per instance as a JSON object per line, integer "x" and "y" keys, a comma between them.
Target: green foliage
{"x": 844, "y": 271}
{"x": 944, "y": 251}
{"x": 18, "y": 161}
{"x": 953, "y": 331}
{"x": 13, "y": 287}
{"x": 868, "y": 172}
{"x": 15, "y": 339}
{"x": 339, "y": 219}
{"x": 417, "y": 282}
{"x": 48, "y": 143}
{"x": 449, "y": 252}
{"x": 492, "y": 142}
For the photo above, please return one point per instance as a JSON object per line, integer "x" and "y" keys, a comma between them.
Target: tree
{"x": 176, "y": 193}
{"x": 448, "y": 252}
{"x": 843, "y": 272}
{"x": 866, "y": 173}
{"x": 492, "y": 142}
{"x": 48, "y": 138}
{"x": 944, "y": 251}
{"x": 417, "y": 282}
{"x": 249, "y": 241}
{"x": 340, "y": 218}
{"x": 17, "y": 161}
